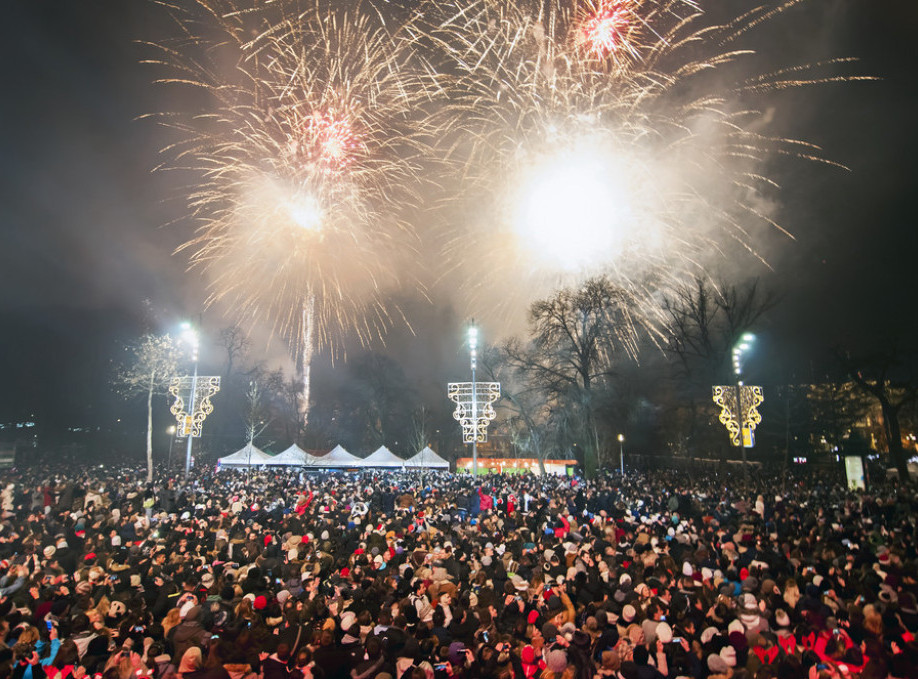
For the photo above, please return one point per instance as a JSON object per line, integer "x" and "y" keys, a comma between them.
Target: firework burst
{"x": 607, "y": 136}
{"x": 305, "y": 150}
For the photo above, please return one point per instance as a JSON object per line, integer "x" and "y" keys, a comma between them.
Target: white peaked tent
{"x": 383, "y": 457}
{"x": 294, "y": 456}
{"x": 426, "y": 458}
{"x": 249, "y": 455}
{"x": 338, "y": 458}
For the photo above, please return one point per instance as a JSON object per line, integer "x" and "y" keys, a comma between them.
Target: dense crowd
{"x": 285, "y": 575}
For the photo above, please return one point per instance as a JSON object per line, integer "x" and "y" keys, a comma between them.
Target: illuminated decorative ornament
{"x": 474, "y": 409}
{"x": 752, "y": 398}
{"x": 204, "y": 387}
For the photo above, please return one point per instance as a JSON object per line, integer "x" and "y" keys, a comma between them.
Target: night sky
{"x": 87, "y": 230}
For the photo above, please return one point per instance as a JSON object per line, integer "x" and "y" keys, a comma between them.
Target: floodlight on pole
{"x": 190, "y": 335}
{"x": 474, "y": 400}
{"x": 171, "y": 432}
{"x": 741, "y": 416}
{"x": 473, "y": 359}
{"x": 746, "y": 416}
{"x": 191, "y": 420}
{"x": 621, "y": 452}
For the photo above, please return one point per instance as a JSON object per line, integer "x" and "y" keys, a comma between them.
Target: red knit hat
{"x": 260, "y": 603}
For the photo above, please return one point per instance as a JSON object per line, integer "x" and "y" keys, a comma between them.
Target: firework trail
{"x": 612, "y": 137}
{"x": 304, "y": 146}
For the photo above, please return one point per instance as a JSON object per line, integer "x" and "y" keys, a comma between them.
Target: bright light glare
{"x": 305, "y": 211}
{"x": 573, "y": 212}
{"x": 189, "y": 334}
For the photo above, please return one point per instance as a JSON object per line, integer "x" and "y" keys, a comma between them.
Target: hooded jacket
{"x": 188, "y": 633}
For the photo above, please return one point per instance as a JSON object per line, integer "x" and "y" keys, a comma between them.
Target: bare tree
{"x": 420, "y": 429}
{"x": 890, "y": 377}
{"x": 704, "y": 321}
{"x": 576, "y": 337}
{"x": 153, "y": 364}
{"x": 258, "y": 416}
{"x": 529, "y": 414}
{"x": 236, "y": 345}
{"x": 835, "y": 408}
{"x": 286, "y": 397}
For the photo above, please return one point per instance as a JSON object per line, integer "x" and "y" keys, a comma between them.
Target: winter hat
{"x": 557, "y": 661}
{"x": 456, "y": 653}
{"x": 781, "y": 618}
{"x": 728, "y": 653}
{"x": 708, "y": 634}
{"x": 717, "y": 664}
{"x": 750, "y": 619}
{"x": 260, "y": 603}
{"x": 628, "y": 613}
{"x": 664, "y": 632}
{"x": 49, "y": 551}
{"x": 747, "y": 600}
{"x": 348, "y": 618}
{"x": 750, "y": 584}
{"x": 519, "y": 583}
{"x": 554, "y": 605}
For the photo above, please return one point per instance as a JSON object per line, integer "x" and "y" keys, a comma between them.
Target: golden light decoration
{"x": 730, "y": 417}
{"x": 205, "y": 386}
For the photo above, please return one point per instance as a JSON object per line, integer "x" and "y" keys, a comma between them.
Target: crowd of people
{"x": 288, "y": 575}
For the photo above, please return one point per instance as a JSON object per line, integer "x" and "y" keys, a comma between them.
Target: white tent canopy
{"x": 294, "y": 456}
{"x": 383, "y": 457}
{"x": 426, "y": 458}
{"x": 338, "y": 458}
{"x": 246, "y": 456}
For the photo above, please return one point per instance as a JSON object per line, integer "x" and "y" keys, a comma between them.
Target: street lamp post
{"x": 474, "y": 402}
{"x": 191, "y": 335}
{"x": 744, "y": 344}
{"x": 473, "y": 355}
{"x": 621, "y": 452}
{"x": 171, "y": 431}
